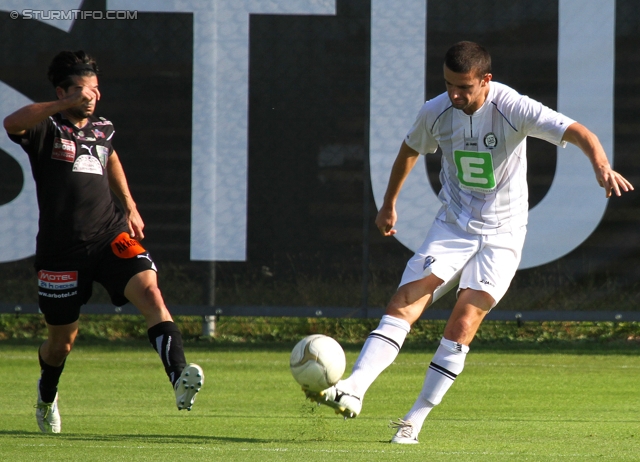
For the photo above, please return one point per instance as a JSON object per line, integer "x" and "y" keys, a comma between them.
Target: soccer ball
{"x": 317, "y": 362}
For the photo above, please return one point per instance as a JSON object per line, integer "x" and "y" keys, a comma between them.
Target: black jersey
{"x": 69, "y": 166}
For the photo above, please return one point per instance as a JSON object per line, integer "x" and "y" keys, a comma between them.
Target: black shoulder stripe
{"x": 505, "y": 117}
{"x": 439, "y": 115}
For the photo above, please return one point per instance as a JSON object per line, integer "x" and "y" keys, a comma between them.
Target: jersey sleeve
{"x": 419, "y": 137}
{"x": 32, "y": 140}
{"x": 539, "y": 121}
{"x": 106, "y": 131}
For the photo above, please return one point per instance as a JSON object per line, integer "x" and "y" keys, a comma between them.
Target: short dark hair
{"x": 68, "y": 63}
{"x": 465, "y": 57}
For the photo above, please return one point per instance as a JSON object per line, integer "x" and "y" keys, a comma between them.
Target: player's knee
{"x": 462, "y": 329}
{"x": 150, "y": 302}
{"x": 401, "y": 308}
{"x": 59, "y": 350}
{"x": 464, "y": 326}
{"x": 152, "y": 296}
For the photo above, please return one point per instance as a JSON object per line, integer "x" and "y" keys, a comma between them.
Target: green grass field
{"x": 508, "y": 405}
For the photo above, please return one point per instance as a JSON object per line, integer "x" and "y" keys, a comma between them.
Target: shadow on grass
{"x": 158, "y": 439}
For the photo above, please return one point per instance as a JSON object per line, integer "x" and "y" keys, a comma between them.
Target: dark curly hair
{"x": 464, "y": 57}
{"x": 68, "y": 63}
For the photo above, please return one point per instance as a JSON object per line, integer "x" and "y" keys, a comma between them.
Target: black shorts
{"x": 65, "y": 283}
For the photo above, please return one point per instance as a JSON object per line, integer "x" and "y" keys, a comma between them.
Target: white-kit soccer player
{"x": 477, "y": 236}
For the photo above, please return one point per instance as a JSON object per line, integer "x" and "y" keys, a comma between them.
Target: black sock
{"x": 167, "y": 341}
{"x": 49, "y": 378}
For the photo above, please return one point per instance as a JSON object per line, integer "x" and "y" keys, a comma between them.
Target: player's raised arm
{"x": 387, "y": 216}
{"x": 588, "y": 143}
{"x": 30, "y": 115}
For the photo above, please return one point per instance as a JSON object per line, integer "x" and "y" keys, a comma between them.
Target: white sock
{"x": 379, "y": 351}
{"x": 445, "y": 366}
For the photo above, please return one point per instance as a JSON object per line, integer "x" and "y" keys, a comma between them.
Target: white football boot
{"x": 346, "y": 404}
{"x": 405, "y": 433}
{"x": 47, "y": 415}
{"x": 188, "y": 386}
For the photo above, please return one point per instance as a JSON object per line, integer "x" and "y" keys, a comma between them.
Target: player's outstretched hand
{"x": 612, "y": 182}
{"x": 386, "y": 219}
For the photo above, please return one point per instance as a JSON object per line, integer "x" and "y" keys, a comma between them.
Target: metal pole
{"x": 365, "y": 233}
{"x": 209, "y": 321}
{"x": 366, "y": 194}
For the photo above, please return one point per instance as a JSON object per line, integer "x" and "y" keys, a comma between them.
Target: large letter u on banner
{"x": 574, "y": 204}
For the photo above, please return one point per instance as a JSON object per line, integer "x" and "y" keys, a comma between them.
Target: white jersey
{"x": 484, "y": 163}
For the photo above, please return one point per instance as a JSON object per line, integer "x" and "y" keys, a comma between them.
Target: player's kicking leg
{"x": 381, "y": 348}
{"x": 165, "y": 337}
{"x": 344, "y": 403}
{"x": 188, "y": 385}
{"x": 379, "y": 351}
{"x": 187, "y": 379}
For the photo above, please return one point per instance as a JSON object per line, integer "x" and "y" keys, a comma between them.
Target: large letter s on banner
{"x": 18, "y": 218}
{"x": 574, "y": 203}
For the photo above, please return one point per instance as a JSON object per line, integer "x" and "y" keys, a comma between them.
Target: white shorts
{"x": 474, "y": 261}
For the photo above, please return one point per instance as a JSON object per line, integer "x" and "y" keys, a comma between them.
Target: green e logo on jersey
{"x": 475, "y": 170}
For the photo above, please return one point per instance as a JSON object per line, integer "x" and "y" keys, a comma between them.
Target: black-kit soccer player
{"x": 83, "y": 236}
{"x": 476, "y": 239}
